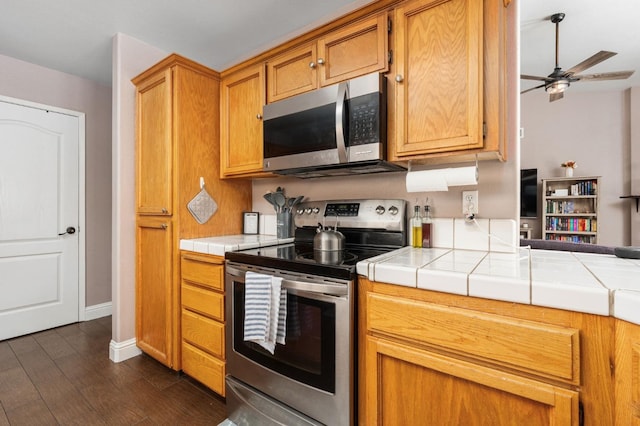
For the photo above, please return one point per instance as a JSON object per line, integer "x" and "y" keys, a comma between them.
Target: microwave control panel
{"x": 365, "y": 124}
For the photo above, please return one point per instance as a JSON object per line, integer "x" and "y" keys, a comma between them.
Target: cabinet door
{"x": 627, "y": 383}
{"x": 153, "y": 145}
{"x": 356, "y": 50}
{"x": 409, "y": 386}
{"x": 154, "y": 295}
{"x": 438, "y": 77}
{"x": 241, "y": 100}
{"x": 292, "y": 73}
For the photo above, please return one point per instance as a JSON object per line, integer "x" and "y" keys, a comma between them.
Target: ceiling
{"x": 588, "y": 27}
{"x": 75, "y": 36}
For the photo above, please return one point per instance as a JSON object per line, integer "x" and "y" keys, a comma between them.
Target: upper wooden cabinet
{"x": 438, "y": 77}
{"x": 241, "y": 100}
{"x": 154, "y": 149}
{"x": 447, "y": 90}
{"x": 357, "y": 49}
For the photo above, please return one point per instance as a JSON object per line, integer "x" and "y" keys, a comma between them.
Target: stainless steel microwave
{"x": 336, "y": 130}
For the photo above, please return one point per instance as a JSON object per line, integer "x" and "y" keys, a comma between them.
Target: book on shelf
{"x": 563, "y": 207}
{"x": 585, "y": 187}
{"x": 589, "y": 239}
{"x": 571, "y": 224}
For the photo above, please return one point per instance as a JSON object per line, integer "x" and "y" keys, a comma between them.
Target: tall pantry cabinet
{"x": 177, "y": 143}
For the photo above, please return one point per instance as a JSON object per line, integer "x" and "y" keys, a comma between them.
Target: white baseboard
{"x": 122, "y": 351}
{"x": 97, "y": 311}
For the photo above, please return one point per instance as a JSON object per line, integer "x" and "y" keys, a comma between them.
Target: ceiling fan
{"x": 559, "y": 80}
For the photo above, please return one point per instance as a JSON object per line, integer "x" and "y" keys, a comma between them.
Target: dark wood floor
{"x": 64, "y": 376}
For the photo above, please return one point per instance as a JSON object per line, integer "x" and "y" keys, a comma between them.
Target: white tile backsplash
{"x": 268, "y": 224}
{"x": 472, "y": 235}
{"x": 503, "y": 236}
{"x": 442, "y": 233}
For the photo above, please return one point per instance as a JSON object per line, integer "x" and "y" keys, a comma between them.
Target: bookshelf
{"x": 570, "y": 209}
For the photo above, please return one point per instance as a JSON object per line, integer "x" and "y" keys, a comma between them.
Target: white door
{"x": 39, "y": 201}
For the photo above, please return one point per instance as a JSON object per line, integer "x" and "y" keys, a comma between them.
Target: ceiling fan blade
{"x": 589, "y": 62}
{"x": 533, "y": 88}
{"x": 532, "y": 77}
{"x": 619, "y": 75}
{"x": 556, "y": 96}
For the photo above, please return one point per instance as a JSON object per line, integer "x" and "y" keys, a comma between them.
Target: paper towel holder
{"x": 410, "y": 165}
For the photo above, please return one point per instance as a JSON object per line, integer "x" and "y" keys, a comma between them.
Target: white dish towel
{"x": 265, "y": 310}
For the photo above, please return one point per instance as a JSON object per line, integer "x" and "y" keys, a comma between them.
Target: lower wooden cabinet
{"x": 407, "y": 385}
{"x": 155, "y": 319}
{"x": 627, "y": 363}
{"x": 439, "y": 359}
{"x": 202, "y": 296}
{"x": 203, "y": 367}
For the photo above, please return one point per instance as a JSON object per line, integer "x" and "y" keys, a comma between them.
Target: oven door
{"x": 312, "y": 371}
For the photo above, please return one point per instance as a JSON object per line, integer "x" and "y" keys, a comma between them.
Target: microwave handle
{"x": 343, "y": 94}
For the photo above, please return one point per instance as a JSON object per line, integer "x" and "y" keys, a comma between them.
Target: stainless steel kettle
{"x": 327, "y": 239}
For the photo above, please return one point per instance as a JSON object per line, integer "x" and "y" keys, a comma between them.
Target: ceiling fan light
{"x": 557, "y": 86}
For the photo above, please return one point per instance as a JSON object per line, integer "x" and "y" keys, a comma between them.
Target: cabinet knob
{"x": 259, "y": 116}
{"x": 320, "y": 61}
{"x": 164, "y": 210}
{"x": 163, "y": 226}
{"x": 312, "y": 64}
{"x": 399, "y": 78}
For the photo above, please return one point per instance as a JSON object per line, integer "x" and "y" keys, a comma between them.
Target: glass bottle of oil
{"x": 426, "y": 227}
{"x": 416, "y": 227}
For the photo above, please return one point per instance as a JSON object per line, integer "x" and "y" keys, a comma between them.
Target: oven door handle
{"x": 323, "y": 288}
{"x": 311, "y": 287}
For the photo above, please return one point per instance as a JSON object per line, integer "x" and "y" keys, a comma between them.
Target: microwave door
{"x": 307, "y": 130}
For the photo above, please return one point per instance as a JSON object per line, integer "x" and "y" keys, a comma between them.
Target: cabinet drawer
{"x": 204, "y": 301}
{"x": 203, "y": 367}
{"x": 541, "y": 349}
{"x": 203, "y": 332}
{"x": 207, "y": 274}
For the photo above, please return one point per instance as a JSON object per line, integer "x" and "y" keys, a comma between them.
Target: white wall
{"x": 23, "y": 80}
{"x": 130, "y": 58}
{"x": 593, "y": 129}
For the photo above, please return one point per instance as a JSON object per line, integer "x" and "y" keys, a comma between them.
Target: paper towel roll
{"x": 426, "y": 181}
{"x": 441, "y": 179}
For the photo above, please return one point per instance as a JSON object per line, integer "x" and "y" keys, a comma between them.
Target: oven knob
{"x": 393, "y": 210}
{"x": 379, "y": 209}
{"x": 307, "y": 210}
{"x": 316, "y": 210}
{"x": 300, "y": 211}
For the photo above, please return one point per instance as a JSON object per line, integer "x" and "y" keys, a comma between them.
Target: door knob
{"x": 70, "y": 230}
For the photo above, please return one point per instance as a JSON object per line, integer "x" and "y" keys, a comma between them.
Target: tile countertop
{"x": 220, "y": 245}
{"x": 582, "y": 282}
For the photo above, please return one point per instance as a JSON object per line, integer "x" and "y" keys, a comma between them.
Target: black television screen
{"x": 529, "y": 193}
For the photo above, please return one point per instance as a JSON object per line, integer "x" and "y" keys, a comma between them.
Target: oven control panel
{"x": 342, "y": 209}
{"x": 379, "y": 214}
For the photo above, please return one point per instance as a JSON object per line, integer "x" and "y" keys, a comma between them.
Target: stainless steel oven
{"x": 313, "y": 365}
{"x": 309, "y": 379}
